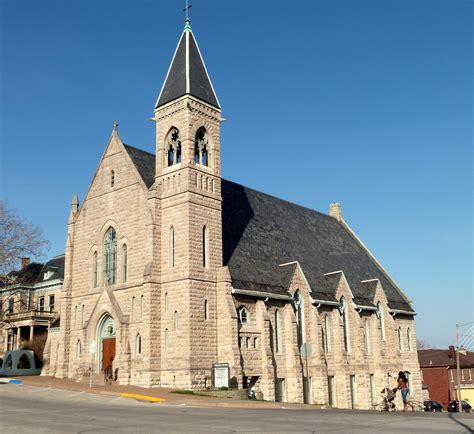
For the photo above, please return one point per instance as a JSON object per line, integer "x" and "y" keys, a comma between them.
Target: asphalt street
{"x": 27, "y": 409}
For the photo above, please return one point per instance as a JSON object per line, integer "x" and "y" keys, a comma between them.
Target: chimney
{"x": 452, "y": 352}
{"x": 25, "y": 262}
{"x": 335, "y": 211}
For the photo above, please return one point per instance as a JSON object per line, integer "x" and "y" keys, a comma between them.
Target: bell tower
{"x": 188, "y": 169}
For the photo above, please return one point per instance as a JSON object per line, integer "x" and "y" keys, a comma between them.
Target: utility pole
{"x": 458, "y": 370}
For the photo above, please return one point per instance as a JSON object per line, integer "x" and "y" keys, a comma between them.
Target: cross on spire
{"x": 186, "y": 9}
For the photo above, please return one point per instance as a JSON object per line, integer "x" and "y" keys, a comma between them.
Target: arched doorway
{"x": 106, "y": 343}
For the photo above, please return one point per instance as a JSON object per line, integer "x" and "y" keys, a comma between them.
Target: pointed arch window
{"x": 325, "y": 333}
{"x": 167, "y": 338}
{"x": 244, "y": 315}
{"x": 277, "y": 331}
{"x": 205, "y": 248}
{"x": 379, "y": 314}
{"x": 124, "y": 263}
{"x": 400, "y": 339}
{"x": 409, "y": 342}
{"x": 133, "y": 307}
{"x": 367, "y": 336}
{"x": 172, "y": 239}
{"x": 206, "y": 310}
{"x": 176, "y": 321}
{"x": 138, "y": 344}
{"x": 78, "y": 349}
{"x": 166, "y": 302}
{"x": 94, "y": 270}
{"x": 298, "y": 302}
{"x": 201, "y": 147}
{"x": 173, "y": 147}
{"x": 345, "y": 325}
{"x": 110, "y": 256}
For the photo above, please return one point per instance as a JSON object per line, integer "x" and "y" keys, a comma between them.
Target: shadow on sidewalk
{"x": 469, "y": 429}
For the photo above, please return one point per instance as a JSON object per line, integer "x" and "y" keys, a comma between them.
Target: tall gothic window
{"x": 379, "y": 314}
{"x": 138, "y": 344}
{"x": 206, "y": 310}
{"x": 124, "y": 263}
{"x": 110, "y": 256}
{"x": 367, "y": 335}
{"x": 277, "y": 331}
{"x": 325, "y": 333}
{"x": 171, "y": 258}
{"x": 400, "y": 339}
{"x": 410, "y": 347}
{"x": 205, "y": 249}
{"x": 201, "y": 147}
{"x": 94, "y": 270}
{"x": 173, "y": 147}
{"x": 345, "y": 325}
{"x": 298, "y": 300}
{"x": 244, "y": 315}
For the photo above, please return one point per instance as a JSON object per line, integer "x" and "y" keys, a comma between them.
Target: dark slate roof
{"x": 439, "y": 357}
{"x": 261, "y": 231}
{"x": 199, "y": 85}
{"x": 56, "y": 265}
{"x": 144, "y": 162}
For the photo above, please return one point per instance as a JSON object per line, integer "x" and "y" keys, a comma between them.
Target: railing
{"x": 30, "y": 314}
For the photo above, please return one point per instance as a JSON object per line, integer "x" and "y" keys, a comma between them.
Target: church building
{"x": 170, "y": 269}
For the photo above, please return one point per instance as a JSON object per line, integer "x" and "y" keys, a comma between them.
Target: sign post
{"x": 220, "y": 375}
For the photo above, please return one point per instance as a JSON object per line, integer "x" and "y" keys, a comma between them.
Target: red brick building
{"x": 438, "y": 368}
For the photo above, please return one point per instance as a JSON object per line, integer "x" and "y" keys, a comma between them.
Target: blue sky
{"x": 368, "y": 103}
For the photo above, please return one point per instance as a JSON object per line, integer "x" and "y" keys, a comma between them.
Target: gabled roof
{"x": 262, "y": 231}
{"x": 187, "y": 74}
{"x": 144, "y": 162}
{"x": 436, "y": 357}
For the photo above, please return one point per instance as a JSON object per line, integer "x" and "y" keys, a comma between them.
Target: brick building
{"x": 169, "y": 269}
{"x": 439, "y": 373}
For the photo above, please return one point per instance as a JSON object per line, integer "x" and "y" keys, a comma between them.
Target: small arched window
{"x": 124, "y": 262}
{"x": 206, "y": 310}
{"x": 244, "y": 316}
{"x": 277, "y": 331}
{"x": 78, "y": 349}
{"x": 133, "y": 307}
{"x": 94, "y": 270}
{"x": 409, "y": 342}
{"x": 176, "y": 321}
{"x": 82, "y": 314}
{"x": 166, "y": 302}
{"x": 172, "y": 238}
{"x": 173, "y": 147}
{"x": 345, "y": 325}
{"x": 138, "y": 344}
{"x": 379, "y": 314}
{"x": 400, "y": 339}
{"x": 110, "y": 256}
{"x": 75, "y": 315}
{"x": 112, "y": 178}
{"x": 367, "y": 335}
{"x": 205, "y": 249}
{"x": 201, "y": 147}
{"x": 141, "y": 306}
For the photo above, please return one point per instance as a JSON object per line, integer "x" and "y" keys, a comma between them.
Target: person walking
{"x": 404, "y": 388}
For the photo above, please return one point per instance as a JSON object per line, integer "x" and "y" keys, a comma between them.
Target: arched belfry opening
{"x": 201, "y": 148}
{"x": 106, "y": 343}
{"x": 173, "y": 147}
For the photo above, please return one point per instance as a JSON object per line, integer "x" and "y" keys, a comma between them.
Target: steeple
{"x": 187, "y": 74}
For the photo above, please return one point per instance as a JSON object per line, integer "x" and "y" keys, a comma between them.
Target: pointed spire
{"x": 74, "y": 208}
{"x": 187, "y": 74}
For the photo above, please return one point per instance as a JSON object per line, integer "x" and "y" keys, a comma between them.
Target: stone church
{"x": 169, "y": 269}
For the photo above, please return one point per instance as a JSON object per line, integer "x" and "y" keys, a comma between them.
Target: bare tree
{"x": 18, "y": 239}
{"x": 421, "y": 344}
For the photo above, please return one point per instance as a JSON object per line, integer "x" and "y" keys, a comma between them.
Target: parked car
{"x": 432, "y": 406}
{"x": 454, "y": 406}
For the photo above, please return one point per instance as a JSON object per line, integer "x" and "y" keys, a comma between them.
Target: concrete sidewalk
{"x": 164, "y": 394}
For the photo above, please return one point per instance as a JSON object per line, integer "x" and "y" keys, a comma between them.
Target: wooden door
{"x": 108, "y": 353}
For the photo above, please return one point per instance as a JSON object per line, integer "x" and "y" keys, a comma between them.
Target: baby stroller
{"x": 388, "y": 399}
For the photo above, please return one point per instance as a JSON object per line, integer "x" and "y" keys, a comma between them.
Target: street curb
{"x": 141, "y": 397}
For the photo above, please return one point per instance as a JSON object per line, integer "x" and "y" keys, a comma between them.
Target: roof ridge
{"x": 283, "y": 200}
